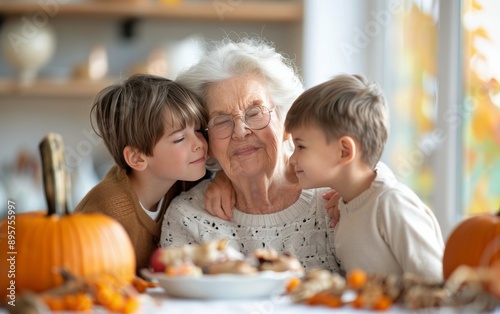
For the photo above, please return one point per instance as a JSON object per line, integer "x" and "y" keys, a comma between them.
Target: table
{"x": 157, "y": 301}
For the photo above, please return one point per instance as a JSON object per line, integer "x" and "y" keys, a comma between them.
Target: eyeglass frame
{"x": 243, "y": 115}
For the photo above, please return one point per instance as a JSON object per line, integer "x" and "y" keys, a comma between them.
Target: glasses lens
{"x": 257, "y": 117}
{"x": 221, "y": 126}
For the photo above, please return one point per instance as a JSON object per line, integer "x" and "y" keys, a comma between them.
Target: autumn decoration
{"x": 474, "y": 242}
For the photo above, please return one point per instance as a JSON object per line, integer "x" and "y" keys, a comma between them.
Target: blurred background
{"x": 437, "y": 61}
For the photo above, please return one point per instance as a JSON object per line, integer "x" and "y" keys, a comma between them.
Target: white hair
{"x": 228, "y": 59}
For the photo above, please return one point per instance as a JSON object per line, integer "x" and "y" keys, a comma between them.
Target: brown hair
{"x": 345, "y": 105}
{"x": 132, "y": 113}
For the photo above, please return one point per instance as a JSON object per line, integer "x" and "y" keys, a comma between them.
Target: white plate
{"x": 225, "y": 286}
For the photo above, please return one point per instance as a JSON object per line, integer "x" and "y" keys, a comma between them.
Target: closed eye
{"x": 179, "y": 140}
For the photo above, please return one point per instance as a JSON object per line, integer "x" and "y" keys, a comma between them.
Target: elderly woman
{"x": 246, "y": 89}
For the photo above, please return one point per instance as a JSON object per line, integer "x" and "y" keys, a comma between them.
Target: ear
{"x": 286, "y": 136}
{"x": 134, "y": 158}
{"x": 348, "y": 149}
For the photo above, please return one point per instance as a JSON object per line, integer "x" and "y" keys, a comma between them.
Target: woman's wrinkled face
{"x": 245, "y": 152}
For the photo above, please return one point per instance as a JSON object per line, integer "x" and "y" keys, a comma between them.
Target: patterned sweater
{"x": 114, "y": 197}
{"x": 301, "y": 229}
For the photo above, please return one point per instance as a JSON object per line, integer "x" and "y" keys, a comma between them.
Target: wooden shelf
{"x": 267, "y": 11}
{"x": 53, "y": 88}
{"x": 251, "y": 11}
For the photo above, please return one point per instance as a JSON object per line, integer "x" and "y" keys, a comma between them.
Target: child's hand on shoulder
{"x": 220, "y": 197}
{"x": 331, "y": 206}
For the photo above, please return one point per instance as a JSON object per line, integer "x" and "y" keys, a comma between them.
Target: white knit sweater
{"x": 388, "y": 229}
{"x": 301, "y": 229}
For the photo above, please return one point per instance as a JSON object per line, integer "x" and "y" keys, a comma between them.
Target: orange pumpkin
{"x": 36, "y": 246}
{"x": 474, "y": 242}
{"x": 84, "y": 244}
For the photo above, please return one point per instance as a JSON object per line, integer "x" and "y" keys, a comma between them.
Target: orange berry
{"x": 359, "y": 302}
{"x": 104, "y": 295}
{"x": 131, "y": 305}
{"x": 293, "y": 283}
{"x": 117, "y": 303}
{"x": 77, "y": 302}
{"x": 333, "y": 301}
{"x": 140, "y": 284}
{"x": 356, "y": 279}
{"x": 326, "y": 299}
{"x": 85, "y": 301}
{"x": 70, "y": 302}
{"x": 152, "y": 284}
{"x": 383, "y": 303}
{"x": 54, "y": 303}
{"x": 314, "y": 300}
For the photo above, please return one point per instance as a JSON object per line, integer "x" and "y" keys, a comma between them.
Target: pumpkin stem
{"x": 55, "y": 180}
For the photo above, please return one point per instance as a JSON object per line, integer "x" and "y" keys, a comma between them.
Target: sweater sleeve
{"x": 412, "y": 232}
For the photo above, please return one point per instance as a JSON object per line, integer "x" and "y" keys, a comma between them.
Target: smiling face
{"x": 246, "y": 152}
{"x": 180, "y": 154}
{"x": 317, "y": 163}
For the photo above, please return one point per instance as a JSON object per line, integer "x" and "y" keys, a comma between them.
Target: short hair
{"x": 132, "y": 113}
{"x": 227, "y": 59}
{"x": 345, "y": 105}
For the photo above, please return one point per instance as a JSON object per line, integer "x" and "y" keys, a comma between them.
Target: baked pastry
{"x": 271, "y": 260}
{"x": 230, "y": 267}
{"x": 216, "y": 257}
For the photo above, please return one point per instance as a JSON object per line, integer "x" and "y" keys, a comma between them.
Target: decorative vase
{"x": 28, "y": 45}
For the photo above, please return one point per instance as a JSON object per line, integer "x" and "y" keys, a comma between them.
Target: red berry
{"x": 155, "y": 262}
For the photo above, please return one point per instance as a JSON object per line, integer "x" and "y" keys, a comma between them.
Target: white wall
{"x": 342, "y": 37}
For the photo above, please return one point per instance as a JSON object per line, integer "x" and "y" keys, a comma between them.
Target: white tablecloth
{"x": 156, "y": 301}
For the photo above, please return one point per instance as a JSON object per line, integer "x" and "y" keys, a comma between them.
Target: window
{"x": 481, "y": 122}
{"x": 443, "y": 86}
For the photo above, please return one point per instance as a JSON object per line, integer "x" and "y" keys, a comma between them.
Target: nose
{"x": 199, "y": 142}
{"x": 241, "y": 130}
{"x": 293, "y": 159}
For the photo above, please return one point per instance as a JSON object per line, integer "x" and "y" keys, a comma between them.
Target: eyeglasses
{"x": 254, "y": 117}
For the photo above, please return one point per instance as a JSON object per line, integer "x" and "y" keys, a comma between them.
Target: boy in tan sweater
{"x": 152, "y": 127}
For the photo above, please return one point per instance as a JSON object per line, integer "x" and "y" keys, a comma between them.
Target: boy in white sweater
{"x": 339, "y": 129}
